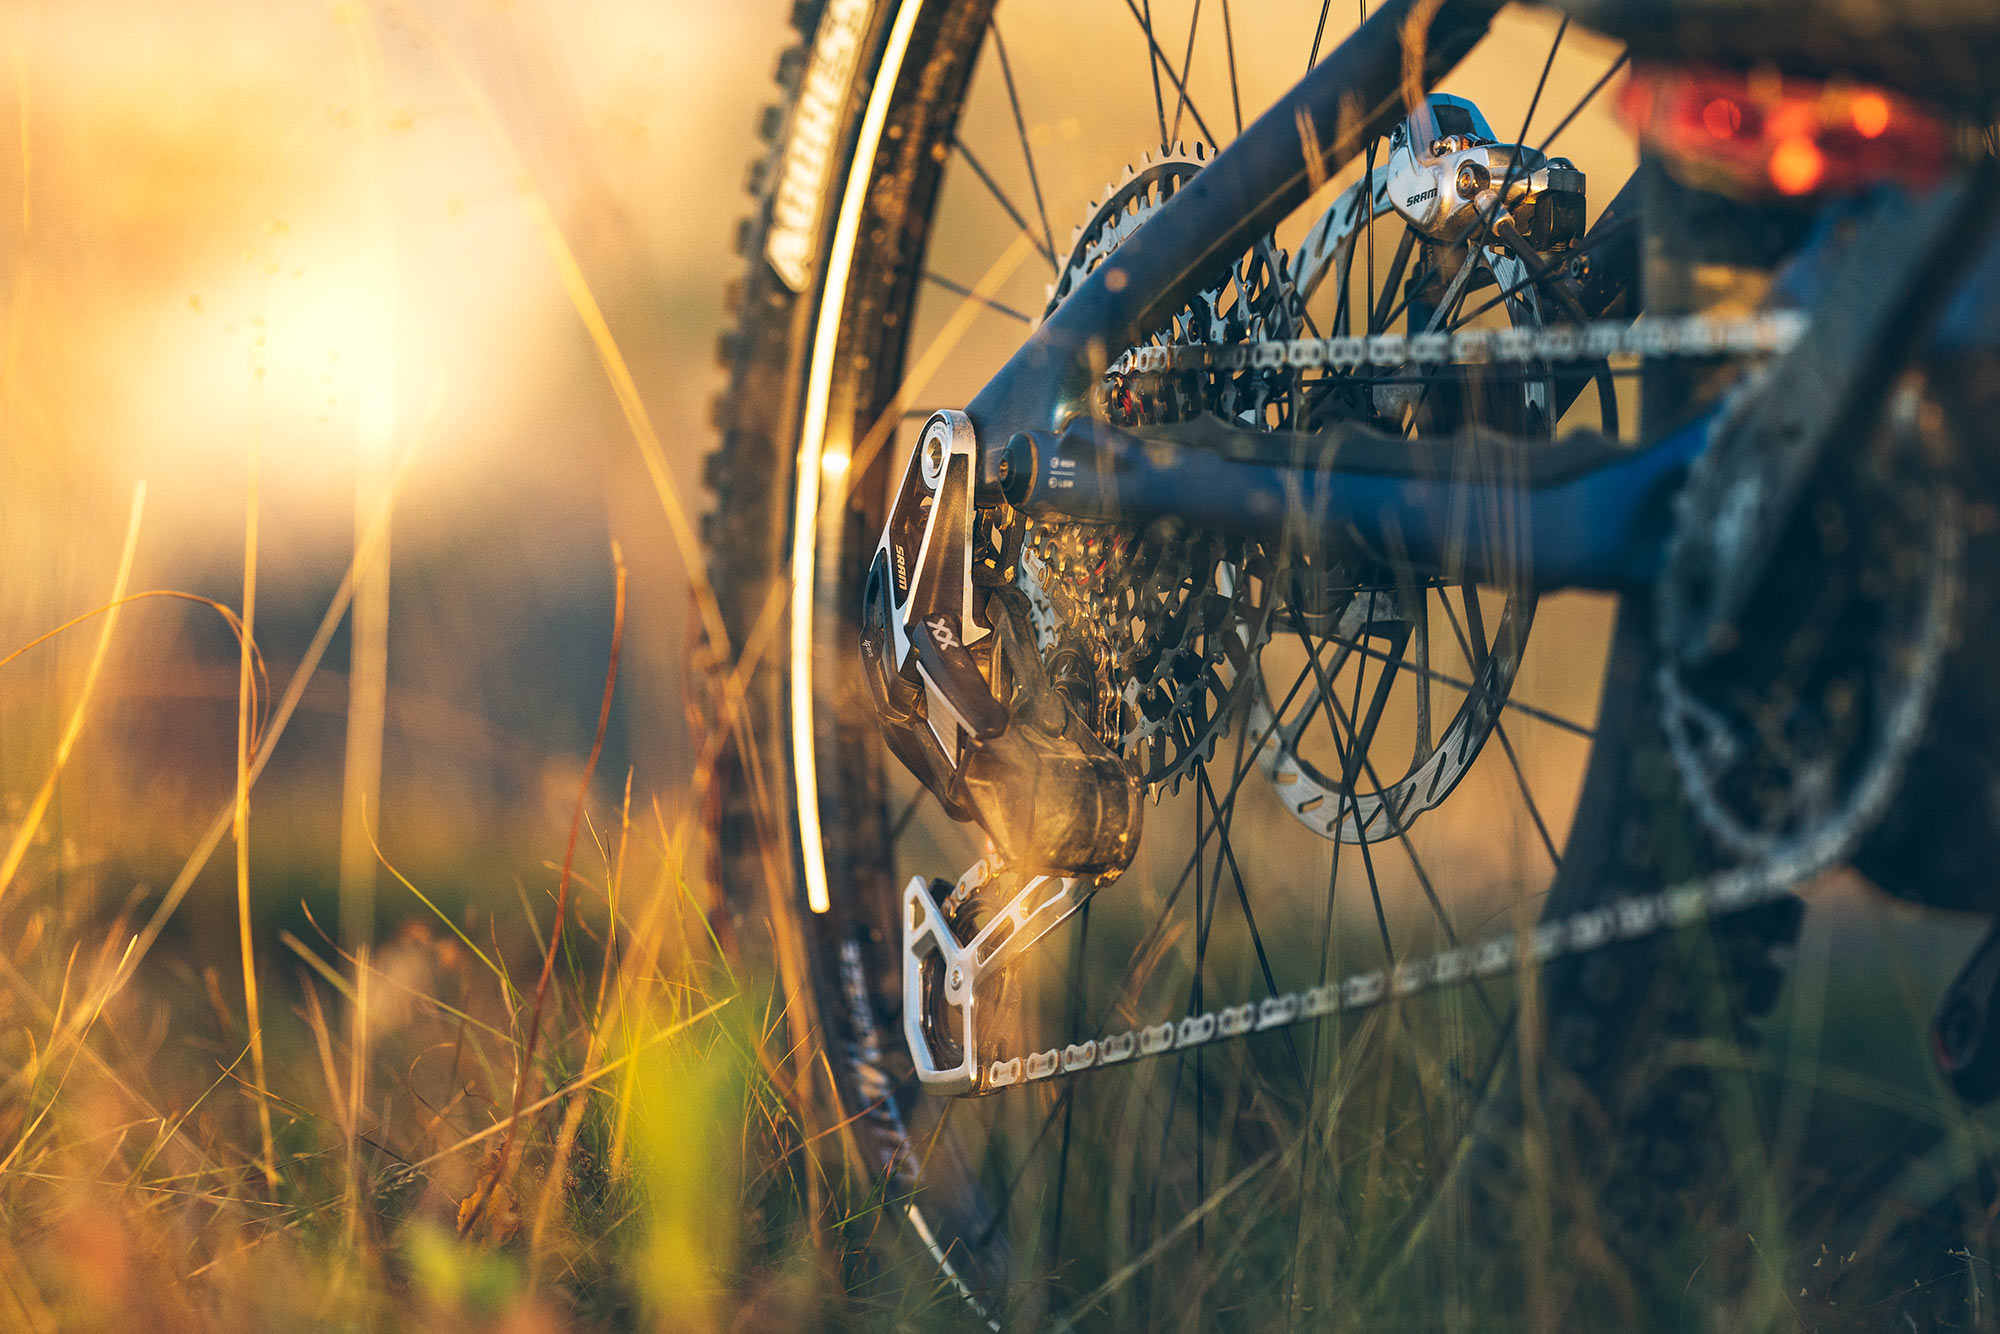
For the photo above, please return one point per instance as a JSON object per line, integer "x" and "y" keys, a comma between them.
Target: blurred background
{"x": 234, "y": 224}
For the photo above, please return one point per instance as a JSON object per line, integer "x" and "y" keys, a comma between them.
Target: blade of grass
{"x": 111, "y": 988}
{"x": 581, "y": 1081}
{"x": 32, "y": 820}
{"x": 295, "y": 690}
{"x": 374, "y": 449}
{"x": 240, "y": 821}
{"x": 223, "y": 609}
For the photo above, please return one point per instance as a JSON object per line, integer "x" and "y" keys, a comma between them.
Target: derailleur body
{"x": 959, "y": 686}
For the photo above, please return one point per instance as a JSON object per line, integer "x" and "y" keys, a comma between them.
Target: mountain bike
{"x": 1277, "y": 741}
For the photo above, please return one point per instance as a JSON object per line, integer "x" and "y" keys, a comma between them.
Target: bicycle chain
{"x": 1621, "y": 921}
{"x": 1768, "y": 333}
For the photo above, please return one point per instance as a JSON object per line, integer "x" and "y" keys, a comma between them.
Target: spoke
{"x": 1000, "y": 196}
{"x": 1343, "y": 319}
{"x": 1204, "y": 921}
{"x": 1229, "y": 43}
{"x": 1378, "y": 319}
{"x": 1353, "y": 728}
{"x": 1077, "y": 980}
{"x": 1356, "y": 754}
{"x": 1472, "y": 640}
{"x": 1225, "y": 808}
{"x": 1368, "y": 226}
{"x": 1347, "y": 650}
{"x": 1403, "y": 836}
{"x": 1540, "y": 715}
{"x": 1514, "y": 166}
{"x": 1351, "y": 755}
{"x": 901, "y": 824}
{"x": 1153, "y": 58}
{"x": 1196, "y": 1001}
{"x": 1454, "y": 296}
{"x": 1207, "y": 792}
{"x": 1006, "y": 1200}
{"x": 1492, "y": 216}
{"x": 1543, "y": 82}
{"x": 1343, "y": 806}
{"x": 1474, "y": 649}
{"x": 1021, "y": 127}
{"x": 960, "y": 289}
{"x": 1588, "y": 97}
{"x": 1443, "y": 1165}
{"x": 1160, "y": 62}
{"x": 1425, "y": 747}
{"x": 1187, "y": 64}
{"x": 1611, "y": 233}
{"x": 1244, "y": 765}
{"x": 1528, "y": 797}
{"x": 1160, "y": 1163}
{"x": 1343, "y": 720}
{"x": 1320, "y": 32}
{"x": 1215, "y": 814}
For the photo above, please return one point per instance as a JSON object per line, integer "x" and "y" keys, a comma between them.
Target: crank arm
{"x": 1965, "y": 1041}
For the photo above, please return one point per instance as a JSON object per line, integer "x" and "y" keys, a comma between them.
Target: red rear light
{"x": 1761, "y": 133}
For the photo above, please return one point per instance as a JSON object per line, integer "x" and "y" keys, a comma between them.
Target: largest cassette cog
{"x": 1147, "y": 630}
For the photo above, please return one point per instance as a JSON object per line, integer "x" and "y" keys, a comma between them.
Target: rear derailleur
{"x": 965, "y": 703}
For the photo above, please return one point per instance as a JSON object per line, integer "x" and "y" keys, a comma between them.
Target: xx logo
{"x": 942, "y": 632}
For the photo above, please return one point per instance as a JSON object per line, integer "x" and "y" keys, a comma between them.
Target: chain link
{"x": 1621, "y": 921}
{"x": 1762, "y": 334}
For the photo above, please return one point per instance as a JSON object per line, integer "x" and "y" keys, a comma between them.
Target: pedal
{"x": 1965, "y": 1041}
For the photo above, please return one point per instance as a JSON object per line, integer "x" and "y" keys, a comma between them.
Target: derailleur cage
{"x": 942, "y": 977}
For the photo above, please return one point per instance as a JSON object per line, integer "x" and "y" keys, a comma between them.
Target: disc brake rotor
{"x": 1370, "y": 798}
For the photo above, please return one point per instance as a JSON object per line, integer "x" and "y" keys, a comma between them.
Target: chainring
{"x": 1791, "y": 741}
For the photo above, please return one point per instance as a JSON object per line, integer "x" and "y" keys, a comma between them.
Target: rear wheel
{"x": 1354, "y": 766}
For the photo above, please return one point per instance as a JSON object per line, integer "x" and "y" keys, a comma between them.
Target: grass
{"x": 578, "y": 1112}
{"x": 560, "y": 1106}
{"x": 409, "y": 1156}
{"x": 581, "y": 1117}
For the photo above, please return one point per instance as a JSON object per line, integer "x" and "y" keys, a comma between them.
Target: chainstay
{"x": 1619, "y": 922}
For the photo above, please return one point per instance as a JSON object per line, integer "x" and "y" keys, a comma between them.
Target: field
{"x": 361, "y": 961}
